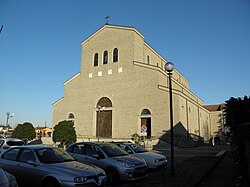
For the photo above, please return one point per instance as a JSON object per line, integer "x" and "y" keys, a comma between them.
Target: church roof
{"x": 212, "y": 108}
{"x": 113, "y": 26}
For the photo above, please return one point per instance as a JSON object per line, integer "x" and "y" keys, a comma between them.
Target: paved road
{"x": 223, "y": 175}
{"x": 182, "y": 153}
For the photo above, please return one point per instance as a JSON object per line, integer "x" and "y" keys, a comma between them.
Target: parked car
{"x": 6, "y": 143}
{"x": 117, "y": 163}
{"x": 45, "y": 166}
{"x": 154, "y": 160}
{"x": 7, "y": 180}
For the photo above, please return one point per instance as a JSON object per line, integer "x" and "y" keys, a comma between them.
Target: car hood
{"x": 150, "y": 155}
{"x": 75, "y": 167}
{"x": 3, "y": 177}
{"x": 6, "y": 178}
{"x": 131, "y": 159}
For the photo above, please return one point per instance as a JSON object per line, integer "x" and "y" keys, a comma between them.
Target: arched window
{"x": 115, "y": 55}
{"x": 96, "y": 59}
{"x": 148, "y": 60}
{"x": 71, "y": 116}
{"x": 105, "y": 57}
{"x": 104, "y": 102}
{"x": 145, "y": 112}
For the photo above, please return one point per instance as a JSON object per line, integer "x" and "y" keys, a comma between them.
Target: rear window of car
{"x": 15, "y": 143}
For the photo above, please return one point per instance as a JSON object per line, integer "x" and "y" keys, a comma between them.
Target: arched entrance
{"x": 146, "y": 123}
{"x": 104, "y": 118}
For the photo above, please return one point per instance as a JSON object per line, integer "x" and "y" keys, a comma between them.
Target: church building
{"x": 122, "y": 89}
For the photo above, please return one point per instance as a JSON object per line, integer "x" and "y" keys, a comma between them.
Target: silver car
{"x": 117, "y": 163}
{"x": 7, "y": 180}
{"x": 6, "y": 143}
{"x": 46, "y": 166}
{"x": 154, "y": 160}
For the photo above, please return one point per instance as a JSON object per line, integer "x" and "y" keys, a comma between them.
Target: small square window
{"x": 99, "y": 73}
{"x": 120, "y": 70}
{"x": 110, "y": 72}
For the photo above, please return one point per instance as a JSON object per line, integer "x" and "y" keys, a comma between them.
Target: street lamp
{"x": 169, "y": 67}
{"x": 99, "y": 108}
{"x": 8, "y": 117}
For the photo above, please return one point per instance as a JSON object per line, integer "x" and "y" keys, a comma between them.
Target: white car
{"x": 153, "y": 160}
{"x": 6, "y": 143}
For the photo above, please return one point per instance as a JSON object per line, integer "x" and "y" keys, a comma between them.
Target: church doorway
{"x": 146, "y": 123}
{"x": 104, "y": 118}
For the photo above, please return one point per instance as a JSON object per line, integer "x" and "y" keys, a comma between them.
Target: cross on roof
{"x": 107, "y": 19}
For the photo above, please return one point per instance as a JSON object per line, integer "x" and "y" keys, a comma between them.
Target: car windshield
{"x": 112, "y": 150}
{"x": 137, "y": 148}
{"x": 53, "y": 155}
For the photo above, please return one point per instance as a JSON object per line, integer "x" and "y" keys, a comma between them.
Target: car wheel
{"x": 112, "y": 175}
{"x": 51, "y": 182}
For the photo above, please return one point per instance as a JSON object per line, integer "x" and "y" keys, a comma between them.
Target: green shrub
{"x": 64, "y": 132}
{"x": 24, "y": 131}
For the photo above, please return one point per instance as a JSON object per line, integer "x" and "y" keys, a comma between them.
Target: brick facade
{"x": 135, "y": 82}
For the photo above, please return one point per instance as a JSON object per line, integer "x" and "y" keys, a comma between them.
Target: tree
{"x": 64, "y": 132}
{"x": 238, "y": 121}
{"x": 24, "y": 131}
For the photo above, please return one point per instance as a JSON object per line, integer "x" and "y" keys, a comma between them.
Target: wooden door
{"x": 104, "y": 124}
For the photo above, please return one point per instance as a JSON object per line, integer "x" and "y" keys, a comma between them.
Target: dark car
{"x": 44, "y": 166}
{"x": 117, "y": 163}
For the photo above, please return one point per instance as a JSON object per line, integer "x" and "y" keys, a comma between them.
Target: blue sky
{"x": 207, "y": 40}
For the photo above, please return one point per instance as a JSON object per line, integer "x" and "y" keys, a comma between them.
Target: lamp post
{"x": 8, "y": 117}
{"x": 169, "y": 67}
